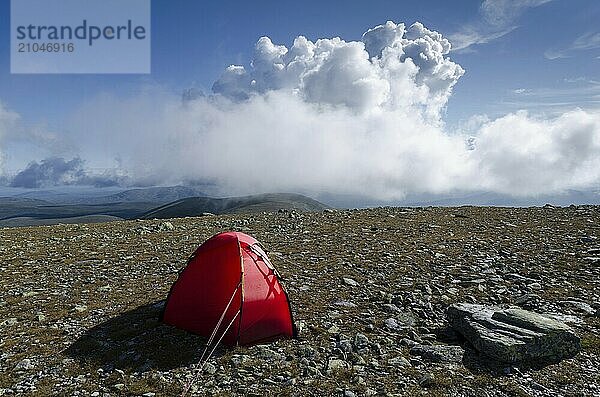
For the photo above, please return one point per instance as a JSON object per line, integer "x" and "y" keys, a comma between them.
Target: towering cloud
{"x": 391, "y": 69}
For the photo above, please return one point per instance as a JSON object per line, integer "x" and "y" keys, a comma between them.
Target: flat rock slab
{"x": 514, "y": 335}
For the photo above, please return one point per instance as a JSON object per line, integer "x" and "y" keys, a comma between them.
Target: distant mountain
{"x": 60, "y": 195}
{"x": 567, "y": 198}
{"x": 160, "y": 195}
{"x": 16, "y": 211}
{"x": 86, "y": 195}
{"x": 23, "y": 211}
{"x": 196, "y": 206}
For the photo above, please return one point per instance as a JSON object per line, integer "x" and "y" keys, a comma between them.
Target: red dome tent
{"x": 229, "y": 286}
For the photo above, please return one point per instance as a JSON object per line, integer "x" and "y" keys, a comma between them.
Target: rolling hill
{"x": 197, "y": 206}
{"x": 158, "y": 194}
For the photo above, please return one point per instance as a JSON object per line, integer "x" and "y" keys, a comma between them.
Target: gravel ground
{"x": 369, "y": 290}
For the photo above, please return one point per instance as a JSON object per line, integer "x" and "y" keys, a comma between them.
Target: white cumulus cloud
{"x": 391, "y": 68}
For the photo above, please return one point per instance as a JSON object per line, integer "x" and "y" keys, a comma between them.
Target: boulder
{"x": 513, "y": 335}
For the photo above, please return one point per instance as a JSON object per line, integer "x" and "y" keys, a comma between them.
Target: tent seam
{"x": 241, "y": 254}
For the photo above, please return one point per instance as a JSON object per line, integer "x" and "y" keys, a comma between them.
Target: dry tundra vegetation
{"x": 79, "y": 303}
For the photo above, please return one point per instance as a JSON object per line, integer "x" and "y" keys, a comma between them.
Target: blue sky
{"x": 539, "y": 55}
{"x": 193, "y": 41}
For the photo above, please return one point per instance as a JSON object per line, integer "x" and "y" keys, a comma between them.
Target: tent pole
{"x": 211, "y": 338}
{"x": 199, "y": 370}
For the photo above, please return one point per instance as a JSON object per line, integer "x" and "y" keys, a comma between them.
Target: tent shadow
{"x": 137, "y": 341}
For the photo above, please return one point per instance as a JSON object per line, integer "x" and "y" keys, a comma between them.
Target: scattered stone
{"x": 349, "y": 281}
{"x": 392, "y": 324}
{"x": 405, "y": 319}
{"x": 580, "y": 307}
{"x": 391, "y": 308}
{"x": 439, "y": 353}
{"x": 166, "y": 226}
{"x": 427, "y": 380}
{"x": 209, "y": 368}
{"x": 344, "y": 304}
{"x": 594, "y": 260}
{"x": 361, "y": 341}
{"x": 334, "y": 329}
{"x": 387, "y": 331}
{"x": 24, "y": 365}
{"x": 9, "y": 321}
{"x": 336, "y": 364}
{"x": 399, "y": 362}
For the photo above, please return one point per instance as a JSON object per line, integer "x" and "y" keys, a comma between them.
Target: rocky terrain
{"x": 369, "y": 289}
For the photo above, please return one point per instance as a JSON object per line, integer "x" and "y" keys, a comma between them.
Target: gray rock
{"x": 580, "y": 307}
{"x": 334, "y": 330}
{"x": 406, "y": 319}
{"x": 439, "y": 354}
{"x": 361, "y": 341}
{"x": 9, "y": 321}
{"x": 513, "y": 335}
{"x": 166, "y": 226}
{"x": 336, "y": 364}
{"x": 427, "y": 380}
{"x": 399, "y": 362}
{"x": 344, "y": 304}
{"x": 239, "y": 359}
{"x": 392, "y": 324}
{"x": 349, "y": 281}
{"x": 210, "y": 369}
{"x": 24, "y": 365}
{"x": 390, "y": 308}
{"x": 345, "y": 346}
